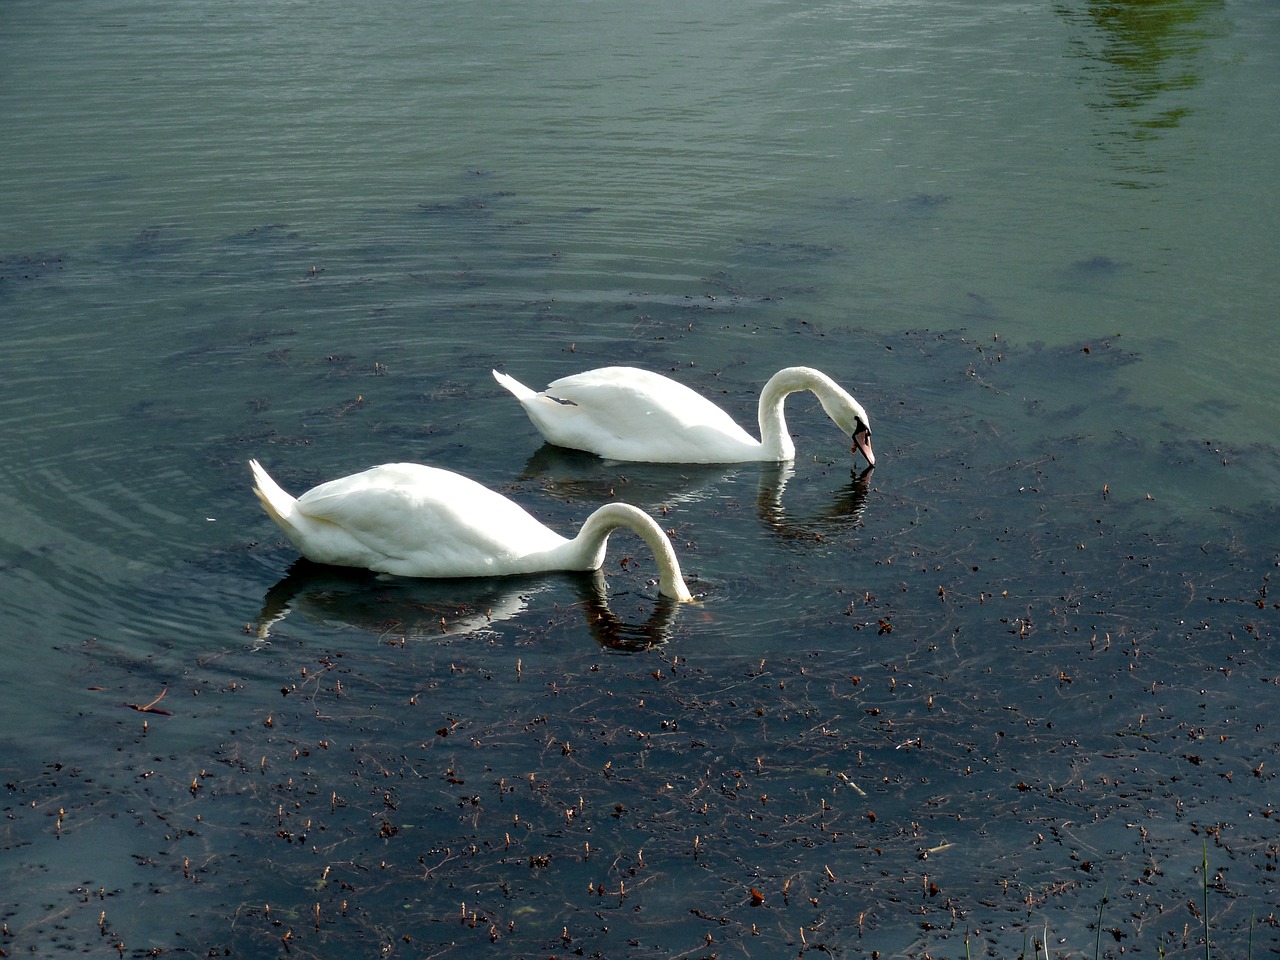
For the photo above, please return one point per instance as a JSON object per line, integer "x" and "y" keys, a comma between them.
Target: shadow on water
{"x": 400, "y": 609}
{"x": 584, "y": 478}
{"x": 846, "y": 508}
{"x": 579, "y": 477}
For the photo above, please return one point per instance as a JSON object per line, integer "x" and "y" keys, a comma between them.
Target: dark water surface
{"x": 1008, "y": 694}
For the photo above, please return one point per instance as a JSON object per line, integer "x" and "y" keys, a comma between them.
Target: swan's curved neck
{"x": 589, "y": 544}
{"x": 774, "y": 436}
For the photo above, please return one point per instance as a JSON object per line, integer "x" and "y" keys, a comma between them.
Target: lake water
{"x": 1009, "y": 694}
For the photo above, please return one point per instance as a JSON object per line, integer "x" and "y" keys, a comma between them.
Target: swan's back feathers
{"x": 429, "y": 521}
{"x": 624, "y": 413}
{"x": 411, "y": 520}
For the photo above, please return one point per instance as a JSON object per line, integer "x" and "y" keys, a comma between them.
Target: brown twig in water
{"x": 151, "y": 707}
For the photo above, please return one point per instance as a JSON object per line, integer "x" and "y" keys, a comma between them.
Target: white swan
{"x": 412, "y": 520}
{"x": 621, "y": 413}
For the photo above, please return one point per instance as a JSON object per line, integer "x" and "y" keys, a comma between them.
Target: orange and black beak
{"x": 862, "y": 444}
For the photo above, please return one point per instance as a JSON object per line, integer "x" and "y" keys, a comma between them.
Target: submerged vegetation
{"x": 1023, "y": 722}
{"x": 1010, "y": 694}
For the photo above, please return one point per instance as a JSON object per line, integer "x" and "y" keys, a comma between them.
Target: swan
{"x": 412, "y": 520}
{"x": 622, "y": 413}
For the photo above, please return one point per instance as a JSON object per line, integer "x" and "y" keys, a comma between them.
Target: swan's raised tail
{"x": 518, "y": 389}
{"x": 277, "y": 503}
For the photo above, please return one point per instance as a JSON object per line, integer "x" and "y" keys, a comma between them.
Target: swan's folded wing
{"x": 635, "y": 397}
{"x": 635, "y": 415}
{"x": 436, "y": 529}
{"x": 384, "y": 519}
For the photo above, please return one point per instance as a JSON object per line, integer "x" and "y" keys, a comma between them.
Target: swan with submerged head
{"x": 412, "y": 520}
{"x": 622, "y": 413}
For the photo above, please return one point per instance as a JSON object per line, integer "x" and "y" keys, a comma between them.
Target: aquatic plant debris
{"x": 944, "y": 707}
{"x": 151, "y": 707}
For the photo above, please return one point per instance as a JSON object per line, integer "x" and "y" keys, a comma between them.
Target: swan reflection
{"x": 402, "y": 607}
{"x": 578, "y": 477}
{"x": 844, "y": 511}
{"x": 574, "y": 476}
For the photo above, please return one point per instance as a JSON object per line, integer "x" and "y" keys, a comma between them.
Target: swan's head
{"x": 852, "y": 419}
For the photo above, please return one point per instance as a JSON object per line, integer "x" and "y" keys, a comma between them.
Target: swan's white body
{"x": 622, "y": 413}
{"x": 412, "y": 520}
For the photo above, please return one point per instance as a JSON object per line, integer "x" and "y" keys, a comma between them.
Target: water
{"x": 1020, "y": 677}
